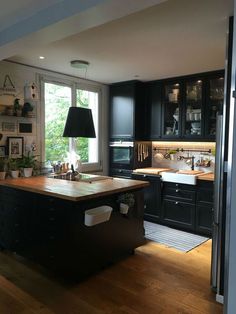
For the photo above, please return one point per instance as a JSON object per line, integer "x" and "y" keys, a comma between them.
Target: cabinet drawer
{"x": 179, "y": 194}
{"x": 179, "y": 214}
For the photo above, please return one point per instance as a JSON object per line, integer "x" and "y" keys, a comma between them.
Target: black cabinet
{"x": 178, "y": 208}
{"x": 128, "y": 111}
{"x": 204, "y": 207}
{"x": 152, "y": 196}
{"x": 188, "y": 207}
{"x": 154, "y": 90}
{"x": 184, "y": 108}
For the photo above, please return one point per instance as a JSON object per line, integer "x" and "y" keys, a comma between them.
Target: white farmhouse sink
{"x": 179, "y": 178}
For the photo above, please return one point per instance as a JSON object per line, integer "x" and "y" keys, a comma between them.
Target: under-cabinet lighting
{"x": 41, "y": 57}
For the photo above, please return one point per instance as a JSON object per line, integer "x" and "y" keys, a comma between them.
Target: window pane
{"x": 86, "y": 148}
{"x": 57, "y": 103}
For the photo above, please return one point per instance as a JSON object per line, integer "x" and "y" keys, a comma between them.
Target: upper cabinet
{"x": 187, "y": 107}
{"x": 128, "y": 111}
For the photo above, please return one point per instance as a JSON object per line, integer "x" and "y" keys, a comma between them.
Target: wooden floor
{"x": 154, "y": 280}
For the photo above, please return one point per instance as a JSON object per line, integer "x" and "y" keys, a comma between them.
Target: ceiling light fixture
{"x": 79, "y": 64}
{"x": 41, "y": 57}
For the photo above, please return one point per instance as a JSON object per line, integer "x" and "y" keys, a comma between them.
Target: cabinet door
{"x": 204, "y": 219}
{"x": 193, "y": 126}
{"x": 122, "y": 111}
{"x": 171, "y": 115}
{"x": 152, "y": 197}
{"x": 179, "y": 214}
{"x": 154, "y": 100}
{"x": 214, "y": 103}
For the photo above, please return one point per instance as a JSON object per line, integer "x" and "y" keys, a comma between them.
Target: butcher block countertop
{"x": 206, "y": 176}
{"x": 72, "y": 190}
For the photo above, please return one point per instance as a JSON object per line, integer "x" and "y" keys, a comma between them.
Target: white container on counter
{"x": 97, "y": 215}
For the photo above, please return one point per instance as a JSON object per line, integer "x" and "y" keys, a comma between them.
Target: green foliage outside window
{"x": 57, "y": 103}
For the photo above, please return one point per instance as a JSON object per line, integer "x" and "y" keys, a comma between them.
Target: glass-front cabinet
{"x": 171, "y": 110}
{"x": 193, "y": 113}
{"x": 215, "y": 100}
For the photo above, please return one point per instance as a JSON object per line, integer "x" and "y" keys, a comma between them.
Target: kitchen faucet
{"x": 189, "y": 160}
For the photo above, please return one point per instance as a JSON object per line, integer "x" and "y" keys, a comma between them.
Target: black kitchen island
{"x": 43, "y": 219}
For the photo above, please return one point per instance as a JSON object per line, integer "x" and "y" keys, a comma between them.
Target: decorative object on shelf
{"x": 15, "y": 147}
{"x": 8, "y": 88}
{"x": 14, "y": 167}
{"x": 126, "y": 201}
{"x": 2, "y": 151}
{"x": 203, "y": 162}
{"x": 3, "y": 168}
{"x": 172, "y": 154}
{"x": 9, "y": 127}
{"x": 27, "y": 107}
{"x": 17, "y": 107}
{"x": 31, "y": 92}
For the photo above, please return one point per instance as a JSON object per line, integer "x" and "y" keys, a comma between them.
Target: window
{"x": 58, "y": 98}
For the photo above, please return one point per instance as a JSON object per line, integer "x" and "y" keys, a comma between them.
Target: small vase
{"x": 15, "y": 173}
{"x": 124, "y": 208}
{"x": 27, "y": 172}
{"x": 2, "y": 175}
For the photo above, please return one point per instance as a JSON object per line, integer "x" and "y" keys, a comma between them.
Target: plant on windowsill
{"x": 126, "y": 201}
{"x": 14, "y": 167}
{"x": 3, "y": 168}
{"x": 28, "y": 163}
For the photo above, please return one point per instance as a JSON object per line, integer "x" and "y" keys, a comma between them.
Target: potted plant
{"x": 14, "y": 167}
{"x": 28, "y": 163}
{"x": 172, "y": 154}
{"x": 126, "y": 201}
{"x": 3, "y": 168}
{"x": 27, "y": 107}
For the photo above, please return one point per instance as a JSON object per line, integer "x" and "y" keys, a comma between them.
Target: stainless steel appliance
{"x": 126, "y": 156}
{"x": 220, "y": 184}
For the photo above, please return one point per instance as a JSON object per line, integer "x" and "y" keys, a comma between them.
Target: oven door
{"x": 121, "y": 155}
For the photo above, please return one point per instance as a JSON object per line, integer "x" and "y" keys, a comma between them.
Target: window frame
{"x": 74, "y": 85}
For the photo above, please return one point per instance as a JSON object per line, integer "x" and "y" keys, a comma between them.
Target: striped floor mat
{"x": 177, "y": 239}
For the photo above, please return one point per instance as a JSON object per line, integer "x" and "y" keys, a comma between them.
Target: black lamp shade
{"x": 79, "y": 123}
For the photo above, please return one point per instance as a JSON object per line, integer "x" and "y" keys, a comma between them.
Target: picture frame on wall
{"x": 25, "y": 128}
{"x": 2, "y": 151}
{"x": 8, "y": 127}
{"x": 15, "y": 147}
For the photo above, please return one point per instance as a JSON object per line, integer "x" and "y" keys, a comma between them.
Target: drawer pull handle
{"x": 144, "y": 175}
{"x": 176, "y": 203}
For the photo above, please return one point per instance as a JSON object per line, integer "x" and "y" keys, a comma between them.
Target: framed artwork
{"x": 2, "y": 151}
{"x": 15, "y": 147}
{"x": 25, "y": 128}
{"x": 9, "y": 127}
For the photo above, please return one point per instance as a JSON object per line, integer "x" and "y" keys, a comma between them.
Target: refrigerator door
{"x": 218, "y": 187}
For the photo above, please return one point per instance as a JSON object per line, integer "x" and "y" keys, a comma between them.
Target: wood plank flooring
{"x": 154, "y": 280}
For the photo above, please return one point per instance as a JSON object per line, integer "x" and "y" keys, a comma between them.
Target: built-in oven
{"x": 121, "y": 155}
{"x": 126, "y": 156}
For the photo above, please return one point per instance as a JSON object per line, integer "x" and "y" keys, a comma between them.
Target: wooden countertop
{"x": 157, "y": 171}
{"x": 72, "y": 190}
{"x": 206, "y": 176}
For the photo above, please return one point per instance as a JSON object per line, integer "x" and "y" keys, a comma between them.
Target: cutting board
{"x": 194, "y": 172}
{"x": 151, "y": 170}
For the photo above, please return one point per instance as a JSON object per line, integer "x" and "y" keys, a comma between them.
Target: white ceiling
{"x": 176, "y": 37}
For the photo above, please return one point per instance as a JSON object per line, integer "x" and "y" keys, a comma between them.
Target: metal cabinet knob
{"x": 176, "y": 184}
{"x": 176, "y": 203}
{"x": 177, "y": 191}
{"x": 144, "y": 175}
{"x": 145, "y": 206}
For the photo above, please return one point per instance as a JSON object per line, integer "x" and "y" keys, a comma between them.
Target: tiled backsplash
{"x": 198, "y": 149}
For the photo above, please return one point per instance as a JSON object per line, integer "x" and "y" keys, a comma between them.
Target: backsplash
{"x": 203, "y": 152}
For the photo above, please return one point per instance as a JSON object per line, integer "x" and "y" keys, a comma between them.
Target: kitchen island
{"x": 43, "y": 219}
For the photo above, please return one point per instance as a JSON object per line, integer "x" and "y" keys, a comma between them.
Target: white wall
{"x": 21, "y": 75}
